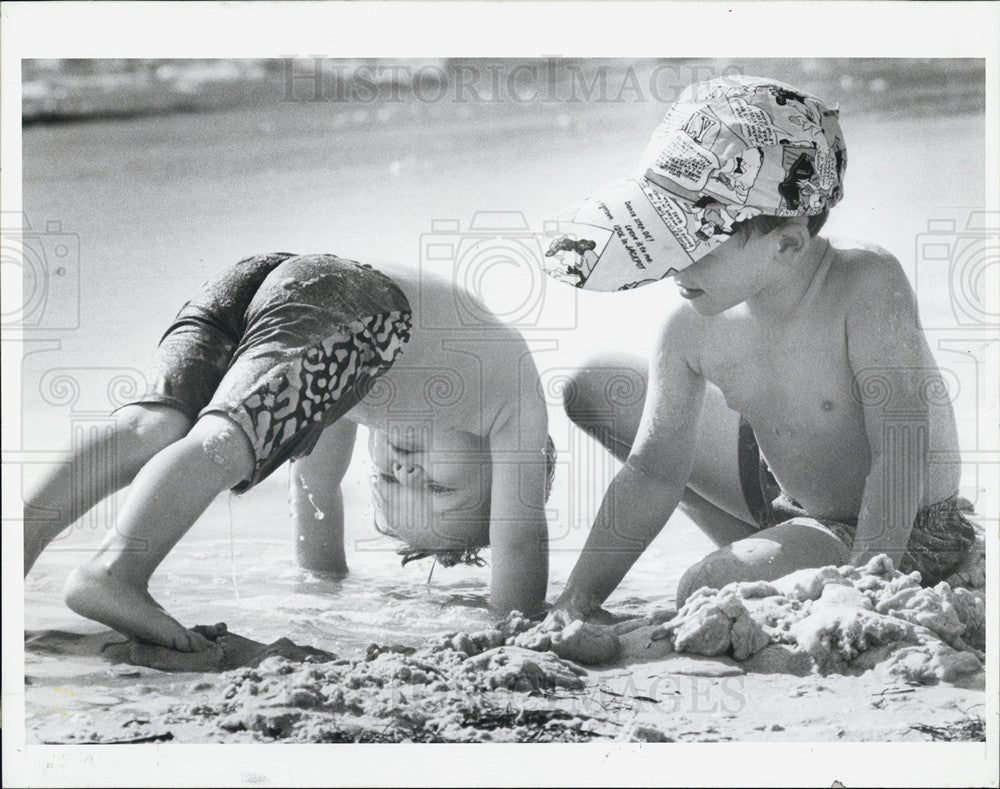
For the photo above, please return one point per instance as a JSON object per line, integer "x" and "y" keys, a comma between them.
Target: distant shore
{"x": 74, "y": 90}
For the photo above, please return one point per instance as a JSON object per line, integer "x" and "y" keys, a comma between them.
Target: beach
{"x": 157, "y": 203}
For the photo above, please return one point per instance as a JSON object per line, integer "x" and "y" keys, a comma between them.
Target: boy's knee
{"x": 225, "y": 447}
{"x": 601, "y": 388}
{"x": 149, "y": 428}
{"x": 714, "y": 571}
{"x": 139, "y": 433}
{"x": 572, "y": 395}
{"x": 721, "y": 567}
{"x": 796, "y": 544}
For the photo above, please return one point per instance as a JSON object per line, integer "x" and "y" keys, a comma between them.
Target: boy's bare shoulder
{"x": 683, "y": 333}
{"x": 867, "y": 273}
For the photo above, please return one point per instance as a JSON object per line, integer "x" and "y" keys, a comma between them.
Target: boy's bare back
{"x": 462, "y": 370}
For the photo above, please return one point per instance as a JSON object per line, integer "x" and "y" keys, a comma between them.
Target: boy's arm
{"x": 894, "y": 376}
{"x": 518, "y": 530}
{"x": 317, "y": 502}
{"x": 646, "y": 490}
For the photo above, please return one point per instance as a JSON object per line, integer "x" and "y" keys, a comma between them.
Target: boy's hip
{"x": 283, "y": 345}
{"x": 285, "y": 297}
{"x": 940, "y": 540}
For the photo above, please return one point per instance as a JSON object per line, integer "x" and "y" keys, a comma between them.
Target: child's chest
{"x": 796, "y": 377}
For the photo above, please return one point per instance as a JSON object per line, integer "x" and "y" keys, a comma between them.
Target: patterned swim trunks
{"x": 283, "y": 345}
{"x": 940, "y": 542}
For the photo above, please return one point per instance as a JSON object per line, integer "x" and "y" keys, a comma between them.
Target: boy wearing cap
{"x": 793, "y": 407}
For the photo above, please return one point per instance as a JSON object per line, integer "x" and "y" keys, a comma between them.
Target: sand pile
{"x": 459, "y": 687}
{"x": 832, "y": 620}
{"x": 428, "y": 695}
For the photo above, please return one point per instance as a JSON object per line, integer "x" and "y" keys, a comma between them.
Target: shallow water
{"x": 160, "y": 203}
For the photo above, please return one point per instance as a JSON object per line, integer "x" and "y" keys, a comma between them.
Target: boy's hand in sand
{"x": 559, "y": 617}
{"x": 564, "y": 612}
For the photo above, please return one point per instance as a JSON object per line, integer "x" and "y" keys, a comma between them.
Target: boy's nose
{"x": 405, "y": 471}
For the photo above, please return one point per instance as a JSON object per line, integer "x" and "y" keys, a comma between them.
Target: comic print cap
{"x": 727, "y": 150}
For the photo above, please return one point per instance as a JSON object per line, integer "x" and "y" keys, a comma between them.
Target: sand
{"x": 516, "y": 682}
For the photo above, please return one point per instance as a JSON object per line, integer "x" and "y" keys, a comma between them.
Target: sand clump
{"x": 844, "y": 618}
{"x": 580, "y": 642}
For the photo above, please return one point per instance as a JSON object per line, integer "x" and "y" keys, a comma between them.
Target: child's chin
{"x": 704, "y": 305}
{"x": 716, "y": 303}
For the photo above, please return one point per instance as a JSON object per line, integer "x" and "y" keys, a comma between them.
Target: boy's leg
{"x": 605, "y": 398}
{"x": 303, "y": 362}
{"x": 191, "y": 359}
{"x": 107, "y": 461}
{"x": 796, "y": 544}
{"x": 167, "y": 496}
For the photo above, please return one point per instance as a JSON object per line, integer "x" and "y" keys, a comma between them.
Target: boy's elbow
{"x": 652, "y": 477}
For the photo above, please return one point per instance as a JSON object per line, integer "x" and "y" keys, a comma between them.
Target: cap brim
{"x": 618, "y": 240}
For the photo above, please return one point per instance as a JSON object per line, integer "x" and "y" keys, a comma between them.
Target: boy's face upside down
{"x": 432, "y": 499}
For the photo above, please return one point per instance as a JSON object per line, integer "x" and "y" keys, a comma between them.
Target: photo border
{"x": 525, "y": 29}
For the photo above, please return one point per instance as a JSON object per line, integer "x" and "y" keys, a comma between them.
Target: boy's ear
{"x": 792, "y": 240}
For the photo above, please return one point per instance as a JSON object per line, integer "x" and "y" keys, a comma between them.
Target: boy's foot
{"x": 971, "y": 574}
{"x": 95, "y": 593}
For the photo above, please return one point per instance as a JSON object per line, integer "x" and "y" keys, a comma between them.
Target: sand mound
{"x": 845, "y": 619}
{"x": 424, "y": 696}
{"x": 830, "y": 620}
{"x": 459, "y": 687}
